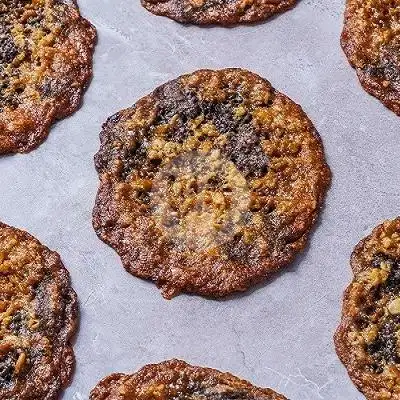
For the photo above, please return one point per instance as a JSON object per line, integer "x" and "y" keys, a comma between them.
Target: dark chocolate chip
{"x": 245, "y": 151}
{"x": 8, "y": 49}
{"x": 384, "y": 347}
{"x": 7, "y": 367}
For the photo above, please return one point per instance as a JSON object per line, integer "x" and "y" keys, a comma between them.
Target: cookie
{"x": 219, "y": 12}
{"x": 38, "y": 317}
{"x": 371, "y": 41}
{"x": 177, "y": 380}
{"x": 367, "y": 340}
{"x": 209, "y": 184}
{"x": 45, "y": 65}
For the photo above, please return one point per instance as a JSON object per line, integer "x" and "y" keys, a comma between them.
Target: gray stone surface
{"x": 280, "y": 334}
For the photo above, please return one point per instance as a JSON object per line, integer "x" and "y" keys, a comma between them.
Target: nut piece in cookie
{"x": 177, "y": 380}
{"x": 38, "y": 317}
{"x": 218, "y": 12}
{"x": 371, "y": 41}
{"x": 368, "y": 338}
{"x": 46, "y": 50}
{"x": 210, "y": 183}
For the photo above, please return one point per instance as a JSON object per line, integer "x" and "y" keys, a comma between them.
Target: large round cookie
{"x": 371, "y": 41}
{"x": 177, "y": 380}
{"x": 210, "y": 183}
{"x": 221, "y": 12}
{"x": 38, "y": 317}
{"x": 368, "y": 338}
{"x": 45, "y": 64}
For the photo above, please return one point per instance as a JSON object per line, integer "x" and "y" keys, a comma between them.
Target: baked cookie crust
{"x": 367, "y": 340}
{"x": 38, "y": 319}
{"x": 178, "y": 380}
{"x": 371, "y": 42}
{"x": 46, "y": 51}
{"x": 209, "y": 184}
{"x": 219, "y": 12}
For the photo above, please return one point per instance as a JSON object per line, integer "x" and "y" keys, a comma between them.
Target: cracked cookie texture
{"x": 177, "y": 380}
{"x": 219, "y": 12}
{"x": 38, "y": 317}
{"x": 46, "y": 50}
{"x": 371, "y": 41}
{"x": 210, "y": 183}
{"x": 368, "y": 338}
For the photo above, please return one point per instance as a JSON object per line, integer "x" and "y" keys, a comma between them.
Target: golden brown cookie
{"x": 177, "y": 380}
{"x": 371, "y": 41}
{"x": 368, "y": 338}
{"x": 220, "y": 12}
{"x": 209, "y": 184}
{"x": 38, "y": 317}
{"x": 45, "y": 65}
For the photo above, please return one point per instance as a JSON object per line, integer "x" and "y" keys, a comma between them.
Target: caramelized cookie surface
{"x": 38, "y": 317}
{"x": 368, "y": 339}
{"x": 45, "y": 64}
{"x": 371, "y": 41}
{"x": 179, "y": 381}
{"x": 221, "y": 12}
{"x": 210, "y": 183}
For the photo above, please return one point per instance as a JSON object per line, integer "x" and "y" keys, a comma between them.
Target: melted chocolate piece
{"x": 384, "y": 349}
{"x": 7, "y": 366}
{"x": 389, "y": 67}
{"x": 8, "y": 49}
{"x": 243, "y": 147}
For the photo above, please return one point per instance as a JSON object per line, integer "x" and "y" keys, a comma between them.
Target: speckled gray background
{"x": 280, "y": 334}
